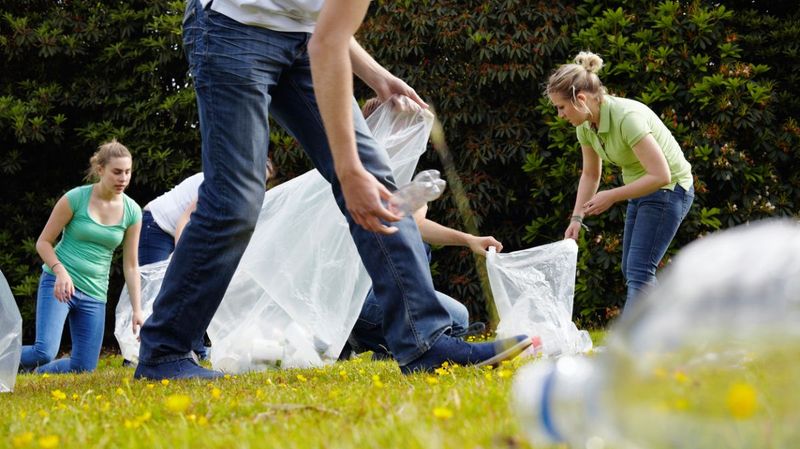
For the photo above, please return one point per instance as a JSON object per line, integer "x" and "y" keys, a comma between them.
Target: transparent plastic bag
{"x": 300, "y": 285}
{"x": 533, "y": 291}
{"x": 710, "y": 358}
{"x": 10, "y": 337}
{"x": 151, "y": 277}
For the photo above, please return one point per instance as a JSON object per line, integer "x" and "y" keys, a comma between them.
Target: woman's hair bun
{"x": 589, "y": 61}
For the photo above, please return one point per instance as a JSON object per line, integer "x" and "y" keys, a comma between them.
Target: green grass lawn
{"x": 359, "y": 403}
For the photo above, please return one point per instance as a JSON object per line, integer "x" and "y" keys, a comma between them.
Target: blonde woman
{"x": 657, "y": 178}
{"x": 93, "y": 220}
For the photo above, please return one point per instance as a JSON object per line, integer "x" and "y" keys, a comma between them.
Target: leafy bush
{"x": 78, "y": 73}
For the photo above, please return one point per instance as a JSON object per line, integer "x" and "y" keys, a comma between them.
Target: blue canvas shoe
{"x": 176, "y": 369}
{"x": 454, "y": 350}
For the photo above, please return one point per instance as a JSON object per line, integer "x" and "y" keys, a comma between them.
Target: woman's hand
{"x": 573, "y": 230}
{"x": 600, "y": 202}
{"x": 480, "y": 244}
{"x": 137, "y": 320}
{"x": 64, "y": 288}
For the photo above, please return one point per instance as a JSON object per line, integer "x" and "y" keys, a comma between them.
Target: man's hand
{"x": 390, "y": 85}
{"x": 363, "y": 194}
{"x": 480, "y": 244}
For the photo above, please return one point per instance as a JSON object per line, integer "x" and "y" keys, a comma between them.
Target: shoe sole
{"x": 509, "y": 353}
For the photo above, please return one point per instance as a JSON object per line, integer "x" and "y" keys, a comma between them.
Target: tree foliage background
{"x": 721, "y": 75}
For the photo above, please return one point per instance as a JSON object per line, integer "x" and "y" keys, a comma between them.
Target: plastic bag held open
{"x": 533, "y": 291}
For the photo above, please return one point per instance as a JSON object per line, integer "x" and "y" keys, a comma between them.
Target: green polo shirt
{"x": 623, "y": 123}
{"x": 86, "y": 246}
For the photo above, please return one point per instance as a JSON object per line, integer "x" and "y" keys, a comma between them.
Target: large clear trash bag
{"x": 151, "y": 277}
{"x": 300, "y": 285}
{"x": 533, "y": 291}
{"x": 710, "y": 359}
{"x": 10, "y": 337}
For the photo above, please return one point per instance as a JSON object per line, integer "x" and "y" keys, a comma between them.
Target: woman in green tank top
{"x": 93, "y": 221}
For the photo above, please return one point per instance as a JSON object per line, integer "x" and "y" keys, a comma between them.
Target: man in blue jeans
{"x": 249, "y": 61}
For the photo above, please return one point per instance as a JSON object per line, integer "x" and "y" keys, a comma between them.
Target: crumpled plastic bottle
{"x": 711, "y": 358}
{"x": 426, "y": 186}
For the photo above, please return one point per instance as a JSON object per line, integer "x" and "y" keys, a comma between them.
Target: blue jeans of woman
{"x": 86, "y": 324}
{"x": 243, "y": 74}
{"x": 651, "y": 223}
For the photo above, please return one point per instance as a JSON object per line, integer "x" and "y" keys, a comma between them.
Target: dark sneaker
{"x": 177, "y": 369}
{"x": 454, "y": 350}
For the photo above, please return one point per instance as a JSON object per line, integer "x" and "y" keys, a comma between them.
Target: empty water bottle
{"x": 425, "y": 187}
{"x": 710, "y": 359}
{"x": 10, "y": 337}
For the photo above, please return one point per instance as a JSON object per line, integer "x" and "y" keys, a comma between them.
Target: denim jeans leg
{"x": 650, "y": 226}
{"x": 86, "y": 323}
{"x": 50, "y": 317}
{"x": 367, "y": 333}
{"x": 396, "y": 263}
{"x": 459, "y": 315}
{"x": 235, "y": 68}
{"x": 155, "y": 244}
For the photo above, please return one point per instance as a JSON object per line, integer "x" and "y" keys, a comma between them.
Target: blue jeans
{"x": 241, "y": 75}
{"x": 651, "y": 223}
{"x": 155, "y": 244}
{"x": 367, "y": 333}
{"x": 86, "y": 324}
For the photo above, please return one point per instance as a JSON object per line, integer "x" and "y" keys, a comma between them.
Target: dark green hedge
{"x": 79, "y": 72}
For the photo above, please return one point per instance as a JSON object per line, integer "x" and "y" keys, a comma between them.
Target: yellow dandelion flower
{"x": 151, "y": 386}
{"x": 48, "y": 441}
{"x": 680, "y": 377}
{"x": 105, "y": 407}
{"x": 488, "y": 376}
{"x": 165, "y": 382}
{"x": 432, "y": 380}
{"x": 22, "y": 439}
{"x": 202, "y": 421}
{"x": 681, "y": 404}
{"x": 45, "y": 376}
{"x": 178, "y": 403}
{"x": 216, "y": 393}
{"x": 445, "y": 364}
{"x": 192, "y": 417}
{"x": 131, "y": 424}
{"x": 361, "y": 371}
{"x": 23, "y": 414}
{"x": 58, "y": 395}
{"x": 98, "y": 397}
{"x": 268, "y": 382}
{"x": 488, "y": 367}
{"x": 120, "y": 391}
{"x": 227, "y": 376}
{"x": 442, "y": 413}
{"x": 440, "y": 371}
{"x": 301, "y": 378}
{"x": 343, "y": 373}
{"x": 503, "y": 373}
{"x": 505, "y": 362}
{"x": 742, "y": 400}
{"x": 259, "y": 393}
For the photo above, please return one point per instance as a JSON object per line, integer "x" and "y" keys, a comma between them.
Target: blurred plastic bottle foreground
{"x": 711, "y": 358}
{"x": 10, "y": 337}
{"x": 426, "y": 186}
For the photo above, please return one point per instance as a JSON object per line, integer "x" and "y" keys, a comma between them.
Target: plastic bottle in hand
{"x": 710, "y": 359}
{"x": 425, "y": 187}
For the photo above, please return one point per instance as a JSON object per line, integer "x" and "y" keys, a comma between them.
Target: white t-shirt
{"x": 168, "y": 208}
{"x": 277, "y": 15}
